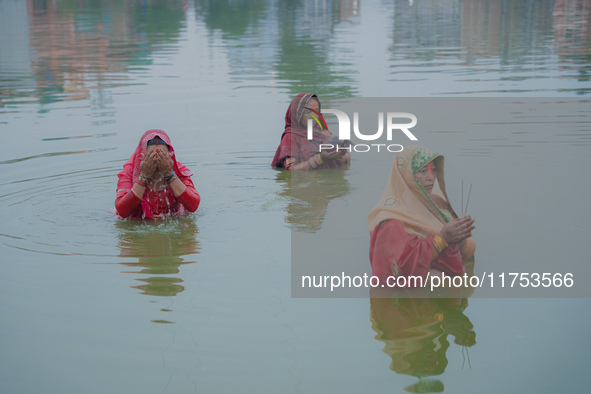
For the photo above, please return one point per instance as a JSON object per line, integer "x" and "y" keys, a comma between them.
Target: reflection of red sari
{"x": 154, "y": 203}
{"x": 415, "y": 334}
{"x": 294, "y": 140}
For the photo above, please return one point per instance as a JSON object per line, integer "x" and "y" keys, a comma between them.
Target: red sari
{"x": 154, "y": 203}
{"x": 394, "y": 252}
{"x": 294, "y": 140}
{"x": 407, "y": 218}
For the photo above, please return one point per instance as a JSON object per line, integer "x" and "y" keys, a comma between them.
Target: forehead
{"x": 313, "y": 103}
{"x": 426, "y": 166}
{"x": 152, "y": 147}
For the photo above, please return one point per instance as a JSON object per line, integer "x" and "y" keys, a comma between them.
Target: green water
{"x": 92, "y": 304}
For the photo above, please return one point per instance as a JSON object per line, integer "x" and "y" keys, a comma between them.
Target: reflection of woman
{"x": 160, "y": 249}
{"x": 415, "y": 333}
{"x": 414, "y": 230}
{"x": 153, "y": 184}
{"x": 296, "y": 152}
{"x": 310, "y": 193}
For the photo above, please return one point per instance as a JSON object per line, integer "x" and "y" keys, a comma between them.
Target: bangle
{"x": 439, "y": 243}
{"x": 318, "y": 159}
{"x": 168, "y": 178}
{"x": 443, "y": 241}
{"x": 171, "y": 178}
{"x": 143, "y": 179}
{"x": 141, "y": 183}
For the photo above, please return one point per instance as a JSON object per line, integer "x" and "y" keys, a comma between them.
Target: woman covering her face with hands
{"x": 414, "y": 231}
{"x": 153, "y": 184}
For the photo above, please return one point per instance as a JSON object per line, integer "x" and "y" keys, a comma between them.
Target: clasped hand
{"x": 156, "y": 161}
{"x": 338, "y": 156}
{"x": 457, "y": 230}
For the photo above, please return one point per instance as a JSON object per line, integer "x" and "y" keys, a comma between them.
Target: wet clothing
{"x": 154, "y": 203}
{"x": 405, "y": 220}
{"x": 395, "y": 252}
{"x": 294, "y": 140}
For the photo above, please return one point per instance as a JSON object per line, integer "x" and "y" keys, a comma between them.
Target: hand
{"x": 164, "y": 161}
{"x": 457, "y": 230}
{"x": 148, "y": 165}
{"x": 343, "y": 158}
{"x": 329, "y": 155}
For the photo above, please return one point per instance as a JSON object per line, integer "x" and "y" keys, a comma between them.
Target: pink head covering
{"x": 131, "y": 169}
{"x": 297, "y": 144}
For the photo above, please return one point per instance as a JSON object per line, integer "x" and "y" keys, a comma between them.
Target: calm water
{"x": 203, "y": 303}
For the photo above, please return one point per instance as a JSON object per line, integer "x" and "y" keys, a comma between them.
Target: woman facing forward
{"x": 414, "y": 230}
{"x": 296, "y": 152}
{"x": 153, "y": 184}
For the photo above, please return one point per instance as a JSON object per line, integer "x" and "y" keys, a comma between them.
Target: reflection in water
{"x": 514, "y": 37}
{"x": 80, "y": 50}
{"x": 511, "y": 30}
{"x": 287, "y": 40}
{"x": 161, "y": 247}
{"x": 415, "y": 333}
{"x": 248, "y": 31}
{"x": 572, "y": 36}
{"x": 15, "y": 57}
{"x": 310, "y": 194}
{"x": 304, "y": 47}
{"x": 81, "y": 47}
{"x": 233, "y": 18}
{"x": 423, "y": 27}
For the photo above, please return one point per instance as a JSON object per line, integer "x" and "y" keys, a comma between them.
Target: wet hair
{"x": 157, "y": 141}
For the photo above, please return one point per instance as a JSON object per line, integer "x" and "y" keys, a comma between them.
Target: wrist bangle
{"x": 143, "y": 179}
{"x": 439, "y": 243}
{"x": 141, "y": 183}
{"x": 171, "y": 178}
{"x": 319, "y": 159}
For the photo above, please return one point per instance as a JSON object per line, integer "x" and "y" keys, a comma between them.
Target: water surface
{"x": 203, "y": 303}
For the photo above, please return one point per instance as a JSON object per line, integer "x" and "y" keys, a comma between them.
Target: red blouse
{"x": 393, "y": 252}
{"x": 162, "y": 202}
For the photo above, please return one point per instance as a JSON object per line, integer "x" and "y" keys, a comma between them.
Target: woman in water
{"x": 153, "y": 184}
{"x": 414, "y": 231}
{"x": 296, "y": 152}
